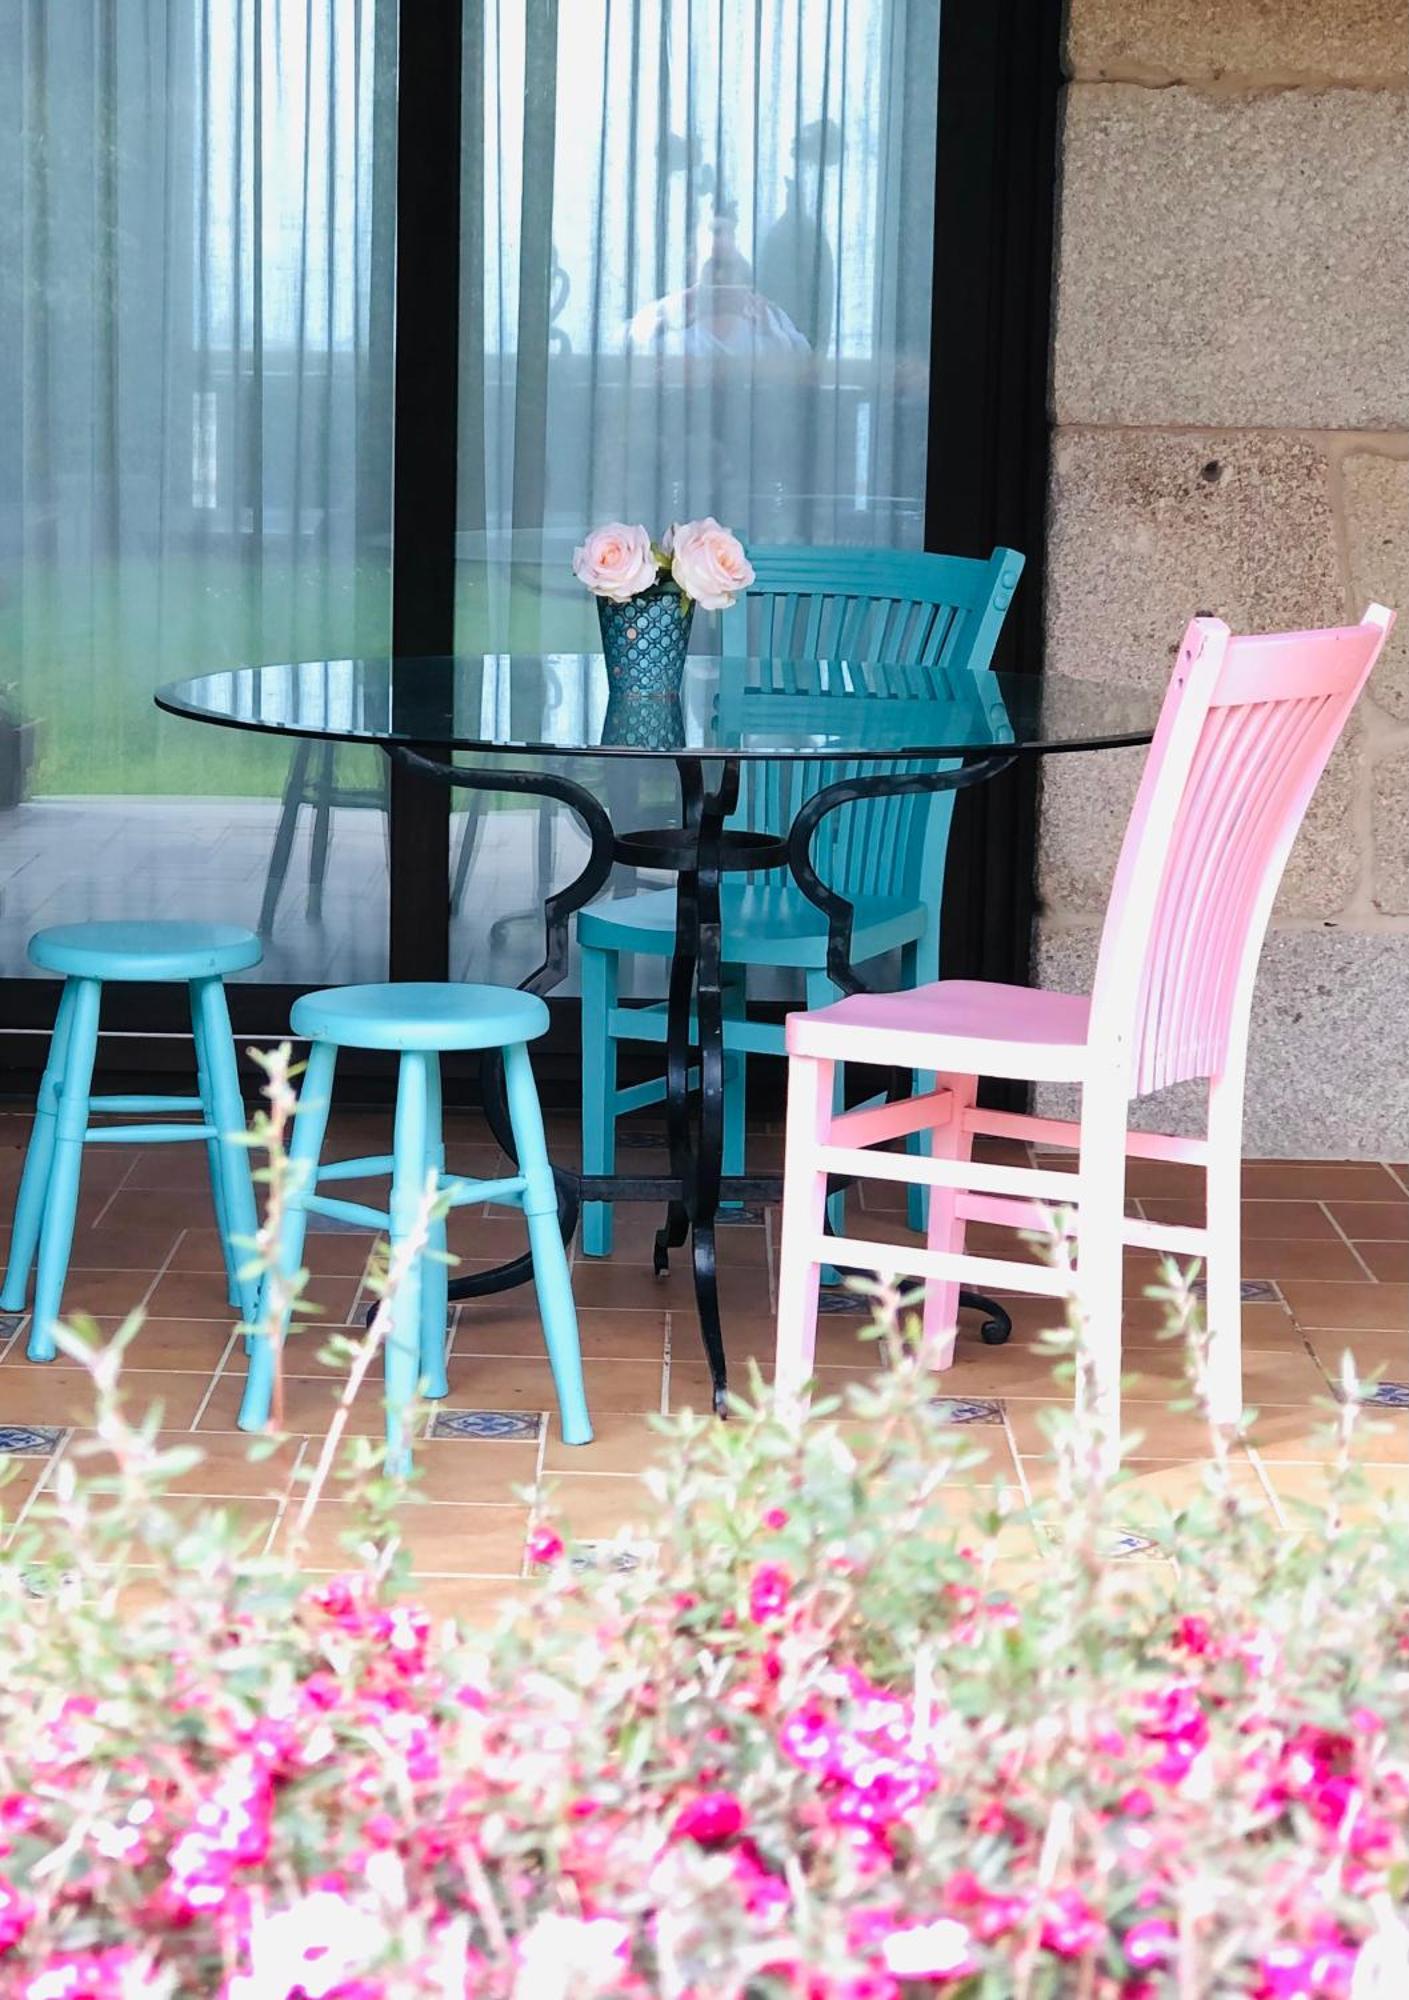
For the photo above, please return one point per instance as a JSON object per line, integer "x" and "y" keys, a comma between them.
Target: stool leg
{"x": 206, "y": 1093}
{"x": 305, "y": 1147}
{"x": 61, "y": 1201}
{"x": 600, "y": 970}
{"x": 401, "y": 1355}
{"x": 38, "y": 1159}
{"x": 550, "y": 1264}
{"x": 230, "y": 1178}
{"x": 435, "y": 1273}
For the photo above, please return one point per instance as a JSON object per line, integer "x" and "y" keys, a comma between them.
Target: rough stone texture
{"x": 1148, "y": 527}
{"x": 1391, "y": 821}
{"x": 1233, "y": 261}
{"x": 1344, "y": 41}
{"x": 1086, "y": 803}
{"x": 1328, "y": 1073}
{"x": 1376, "y": 490}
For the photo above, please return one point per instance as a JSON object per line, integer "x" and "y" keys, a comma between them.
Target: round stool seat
{"x": 412, "y": 1014}
{"x": 145, "y": 950}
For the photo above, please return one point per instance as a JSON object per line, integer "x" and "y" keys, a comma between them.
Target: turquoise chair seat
{"x": 88, "y": 955}
{"x": 764, "y": 923}
{"x": 420, "y": 1022}
{"x": 156, "y": 951}
{"x": 420, "y": 1015}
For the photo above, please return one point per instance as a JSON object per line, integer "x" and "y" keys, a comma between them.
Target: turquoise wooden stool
{"x": 88, "y": 955}
{"x": 421, "y": 1022}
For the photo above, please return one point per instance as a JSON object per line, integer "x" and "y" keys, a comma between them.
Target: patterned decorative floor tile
{"x": 36, "y": 1580}
{"x": 740, "y": 1216}
{"x": 832, "y": 1299}
{"x": 9, "y": 1323}
{"x": 1388, "y": 1395}
{"x": 1120, "y": 1545}
{"x": 29, "y": 1440}
{"x": 489, "y": 1426}
{"x": 967, "y": 1410}
{"x": 1255, "y": 1291}
{"x": 619, "y": 1556}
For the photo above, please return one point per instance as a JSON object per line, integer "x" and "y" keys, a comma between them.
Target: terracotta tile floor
{"x": 1326, "y": 1264}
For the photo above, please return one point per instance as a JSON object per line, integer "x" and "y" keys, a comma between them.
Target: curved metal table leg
{"x": 997, "y": 1325}
{"x": 697, "y": 1156}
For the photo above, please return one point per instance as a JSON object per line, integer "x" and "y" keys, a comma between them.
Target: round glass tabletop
{"x": 565, "y": 704}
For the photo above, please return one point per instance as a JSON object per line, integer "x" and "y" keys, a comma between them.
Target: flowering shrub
{"x": 820, "y": 1745}
{"x": 823, "y": 1741}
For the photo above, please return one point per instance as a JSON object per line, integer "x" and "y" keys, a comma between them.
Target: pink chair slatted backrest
{"x": 1246, "y": 730}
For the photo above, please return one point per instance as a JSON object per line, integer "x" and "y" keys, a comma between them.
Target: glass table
{"x": 530, "y": 723}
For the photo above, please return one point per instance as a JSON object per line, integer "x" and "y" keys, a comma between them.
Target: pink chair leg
{"x": 1100, "y": 1252}
{"x": 945, "y": 1229}
{"x": 1225, "y": 1229}
{"x": 804, "y": 1212}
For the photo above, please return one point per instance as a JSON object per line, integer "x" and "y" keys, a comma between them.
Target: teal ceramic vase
{"x": 643, "y": 721}
{"x": 645, "y": 641}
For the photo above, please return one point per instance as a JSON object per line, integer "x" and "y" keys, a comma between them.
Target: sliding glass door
{"x": 276, "y": 379}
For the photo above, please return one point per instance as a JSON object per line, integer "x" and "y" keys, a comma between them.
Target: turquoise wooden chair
{"x": 87, "y": 956}
{"x": 885, "y": 855}
{"x": 419, "y": 1023}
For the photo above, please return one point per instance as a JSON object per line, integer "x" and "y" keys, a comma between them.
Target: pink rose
{"x": 616, "y": 562}
{"x": 709, "y": 563}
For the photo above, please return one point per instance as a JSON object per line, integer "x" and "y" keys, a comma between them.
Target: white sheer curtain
{"x": 698, "y": 239}
{"x": 697, "y": 258}
{"x": 196, "y": 258}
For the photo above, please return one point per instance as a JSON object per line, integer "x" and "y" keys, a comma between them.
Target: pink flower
{"x": 1305, "y": 1972}
{"x": 775, "y": 1518}
{"x": 545, "y": 1545}
{"x": 709, "y": 563}
{"x": 1071, "y": 1927}
{"x": 768, "y": 1593}
{"x": 940, "y": 1950}
{"x": 615, "y": 562}
{"x": 15, "y": 1914}
{"x": 1193, "y": 1635}
{"x": 711, "y": 1819}
{"x": 1150, "y": 1942}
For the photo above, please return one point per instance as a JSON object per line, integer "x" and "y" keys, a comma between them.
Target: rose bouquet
{"x": 646, "y": 595}
{"x": 700, "y": 561}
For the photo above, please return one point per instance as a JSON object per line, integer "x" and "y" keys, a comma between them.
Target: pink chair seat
{"x": 1244, "y": 734}
{"x": 974, "y": 1025}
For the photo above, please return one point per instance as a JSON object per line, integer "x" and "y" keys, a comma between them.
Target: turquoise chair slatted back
{"x": 930, "y": 621}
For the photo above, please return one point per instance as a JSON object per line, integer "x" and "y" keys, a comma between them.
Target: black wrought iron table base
{"x": 699, "y": 852}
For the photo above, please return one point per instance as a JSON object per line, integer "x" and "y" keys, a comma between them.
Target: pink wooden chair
{"x": 1245, "y": 731}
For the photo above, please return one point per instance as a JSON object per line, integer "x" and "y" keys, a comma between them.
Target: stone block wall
{"x": 1230, "y": 393}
